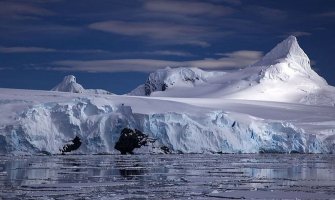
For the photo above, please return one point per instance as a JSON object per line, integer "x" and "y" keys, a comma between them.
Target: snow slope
{"x": 283, "y": 75}
{"x": 69, "y": 84}
{"x": 262, "y": 108}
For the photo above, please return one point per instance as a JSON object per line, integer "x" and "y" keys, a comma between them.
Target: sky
{"x": 115, "y": 44}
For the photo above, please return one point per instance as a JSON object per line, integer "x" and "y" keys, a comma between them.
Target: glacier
{"x": 277, "y": 105}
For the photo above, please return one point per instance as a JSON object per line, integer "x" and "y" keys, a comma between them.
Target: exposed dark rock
{"x": 164, "y": 87}
{"x": 73, "y": 146}
{"x": 179, "y": 152}
{"x": 45, "y": 153}
{"x": 274, "y": 151}
{"x": 190, "y": 79}
{"x": 295, "y": 152}
{"x": 233, "y": 124}
{"x": 148, "y": 88}
{"x": 165, "y": 149}
{"x": 129, "y": 140}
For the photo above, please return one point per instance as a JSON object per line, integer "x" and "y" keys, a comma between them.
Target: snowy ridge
{"x": 165, "y": 79}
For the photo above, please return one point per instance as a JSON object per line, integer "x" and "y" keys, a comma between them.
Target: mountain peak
{"x": 289, "y": 50}
{"x": 70, "y": 79}
{"x": 69, "y": 84}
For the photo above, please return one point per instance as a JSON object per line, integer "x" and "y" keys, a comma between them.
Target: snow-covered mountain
{"x": 69, "y": 84}
{"x": 282, "y": 75}
{"x": 261, "y": 108}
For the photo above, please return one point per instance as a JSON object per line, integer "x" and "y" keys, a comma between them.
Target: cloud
{"x": 237, "y": 59}
{"x": 11, "y": 50}
{"x": 295, "y": 33}
{"x": 84, "y": 51}
{"x": 47, "y": 50}
{"x": 19, "y": 18}
{"x": 268, "y": 13}
{"x": 194, "y": 43}
{"x": 25, "y": 50}
{"x": 187, "y": 8}
{"x": 232, "y": 2}
{"x": 172, "y": 22}
{"x": 152, "y": 29}
{"x": 169, "y": 53}
{"x": 123, "y": 65}
{"x": 28, "y": 31}
{"x": 300, "y": 33}
{"x": 327, "y": 14}
{"x": 10, "y": 9}
{"x": 175, "y": 33}
{"x": 244, "y": 55}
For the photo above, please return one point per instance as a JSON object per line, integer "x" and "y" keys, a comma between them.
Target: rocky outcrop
{"x": 76, "y": 142}
{"x": 129, "y": 140}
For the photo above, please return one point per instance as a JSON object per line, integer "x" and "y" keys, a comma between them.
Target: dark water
{"x": 193, "y": 176}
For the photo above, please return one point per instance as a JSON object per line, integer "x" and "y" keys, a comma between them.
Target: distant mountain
{"x": 69, "y": 84}
{"x": 283, "y": 75}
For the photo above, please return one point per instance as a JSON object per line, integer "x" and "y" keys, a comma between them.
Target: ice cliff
{"x": 47, "y": 127}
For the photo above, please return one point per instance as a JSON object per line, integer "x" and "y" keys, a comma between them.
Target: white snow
{"x": 69, "y": 84}
{"x": 283, "y": 75}
{"x": 277, "y": 105}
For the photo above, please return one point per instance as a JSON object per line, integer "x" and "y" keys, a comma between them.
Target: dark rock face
{"x": 152, "y": 86}
{"x": 165, "y": 149}
{"x": 163, "y": 79}
{"x": 164, "y": 87}
{"x": 188, "y": 79}
{"x": 148, "y": 88}
{"x": 129, "y": 140}
{"x": 71, "y": 147}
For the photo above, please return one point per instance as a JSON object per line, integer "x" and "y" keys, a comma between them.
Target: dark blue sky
{"x": 113, "y": 45}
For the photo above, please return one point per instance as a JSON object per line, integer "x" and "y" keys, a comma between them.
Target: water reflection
{"x": 132, "y": 171}
{"x": 168, "y": 176}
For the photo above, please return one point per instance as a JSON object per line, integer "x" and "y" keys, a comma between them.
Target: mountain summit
{"x": 288, "y": 50}
{"x": 69, "y": 84}
{"x": 288, "y": 62}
